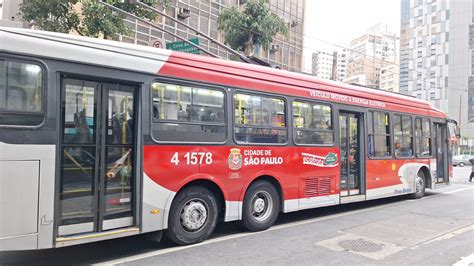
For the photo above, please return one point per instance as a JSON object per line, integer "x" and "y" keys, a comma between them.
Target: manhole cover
{"x": 360, "y": 245}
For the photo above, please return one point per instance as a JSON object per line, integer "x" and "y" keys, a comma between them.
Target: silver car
{"x": 462, "y": 160}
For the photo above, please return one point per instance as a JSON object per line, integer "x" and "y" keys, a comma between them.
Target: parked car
{"x": 462, "y": 160}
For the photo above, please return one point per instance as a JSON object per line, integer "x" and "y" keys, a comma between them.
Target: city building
{"x": 285, "y": 52}
{"x": 341, "y": 60}
{"x": 330, "y": 65}
{"x": 378, "y": 47}
{"x": 390, "y": 77}
{"x": 322, "y": 65}
{"x": 359, "y": 79}
{"x": 436, "y": 63}
{"x": 9, "y": 13}
{"x": 461, "y": 70}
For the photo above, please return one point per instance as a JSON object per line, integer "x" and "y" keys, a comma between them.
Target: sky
{"x": 340, "y": 21}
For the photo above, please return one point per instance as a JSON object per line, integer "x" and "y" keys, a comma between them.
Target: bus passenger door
{"x": 97, "y": 168}
{"x": 352, "y": 159}
{"x": 441, "y": 152}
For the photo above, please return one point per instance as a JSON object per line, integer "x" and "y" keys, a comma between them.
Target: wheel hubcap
{"x": 419, "y": 184}
{"x": 193, "y": 215}
{"x": 259, "y": 205}
{"x": 262, "y": 205}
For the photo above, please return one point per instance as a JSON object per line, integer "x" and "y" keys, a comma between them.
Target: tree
{"x": 256, "y": 25}
{"x": 90, "y": 18}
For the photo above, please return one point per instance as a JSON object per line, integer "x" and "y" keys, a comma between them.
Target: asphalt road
{"x": 438, "y": 229}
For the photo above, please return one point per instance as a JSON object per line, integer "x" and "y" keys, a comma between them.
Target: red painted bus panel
{"x": 276, "y": 81}
{"x": 234, "y": 168}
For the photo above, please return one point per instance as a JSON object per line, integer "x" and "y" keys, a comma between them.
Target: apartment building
{"x": 437, "y": 57}
{"x": 377, "y": 47}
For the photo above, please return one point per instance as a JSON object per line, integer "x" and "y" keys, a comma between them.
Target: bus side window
{"x": 379, "y": 135}
{"x": 403, "y": 135}
{"x": 16, "y": 98}
{"x": 259, "y": 119}
{"x": 312, "y": 123}
{"x": 188, "y": 113}
{"x": 21, "y": 93}
{"x": 423, "y": 137}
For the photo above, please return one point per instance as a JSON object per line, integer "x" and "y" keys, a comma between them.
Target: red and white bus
{"x": 101, "y": 139}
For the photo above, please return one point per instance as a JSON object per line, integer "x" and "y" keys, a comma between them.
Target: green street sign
{"x": 184, "y": 47}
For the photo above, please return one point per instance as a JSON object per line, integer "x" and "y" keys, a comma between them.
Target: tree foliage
{"x": 256, "y": 25}
{"x": 86, "y": 17}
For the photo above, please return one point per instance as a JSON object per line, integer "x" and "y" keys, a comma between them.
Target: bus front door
{"x": 350, "y": 139}
{"x": 97, "y": 157}
{"x": 441, "y": 152}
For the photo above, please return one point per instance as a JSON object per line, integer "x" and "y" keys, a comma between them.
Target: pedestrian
{"x": 472, "y": 169}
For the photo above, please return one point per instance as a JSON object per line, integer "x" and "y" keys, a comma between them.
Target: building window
{"x": 188, "y": 113}
{"x": 312, "y": 123}
{"x": 432, "y": 95}
{"x": 379, "y": 135}
{"x": 403, "y": 135}
{"x": 433, "y": 8}
{"x": 423, "y": 137}
{"x": 259, "y": 119}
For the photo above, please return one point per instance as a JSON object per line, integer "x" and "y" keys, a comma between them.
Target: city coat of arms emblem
{"x": 235, "y": 159}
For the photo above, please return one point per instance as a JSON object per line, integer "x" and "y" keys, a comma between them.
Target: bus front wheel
{"x": 193, "y": 216}
{"x": 261, "y": 206}
{"x": 420, "y": 185}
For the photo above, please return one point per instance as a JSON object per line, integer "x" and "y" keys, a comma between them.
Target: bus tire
{"x": 420, "y": 185}
{"x": 261, "y": 206}
{"x": 193, "y": 216}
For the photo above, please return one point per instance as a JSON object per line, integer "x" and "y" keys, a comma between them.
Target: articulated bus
{"x": 102, "y": 139}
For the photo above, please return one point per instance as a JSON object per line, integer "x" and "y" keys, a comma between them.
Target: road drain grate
{"x": 360, "y": 245}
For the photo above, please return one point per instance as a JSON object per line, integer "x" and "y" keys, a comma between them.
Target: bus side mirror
{"x": 454, "y": 128}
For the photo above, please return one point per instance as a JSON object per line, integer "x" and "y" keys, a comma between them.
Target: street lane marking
{"x": 277, "y": 227}
{"x": 458, "y": 190}
{"x": 465, "y": 261}
{"x": 446, "y": 236}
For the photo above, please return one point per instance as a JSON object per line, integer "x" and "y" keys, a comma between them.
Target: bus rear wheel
{"x": 420, "y": 185}
{"x": 193, "y": 216}
{"x": 261, "y": 206}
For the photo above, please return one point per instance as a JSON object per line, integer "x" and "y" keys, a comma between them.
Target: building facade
{"x": 390, "y": 77}
{"x": 322, "y": 65}
{"x": 341, "y": 60}
{"x": 285, "y": 52}
{"x": 9, "y": 13}
{"x": 436, "y": 64}
{"x": 331, "y": 66}
{"x": 376, "y": 48}
{"x": 460, "y": 98}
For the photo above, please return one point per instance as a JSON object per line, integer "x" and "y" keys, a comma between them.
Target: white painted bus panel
{"x": 26, "y": 196}
{"x": 19, "y": 183}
